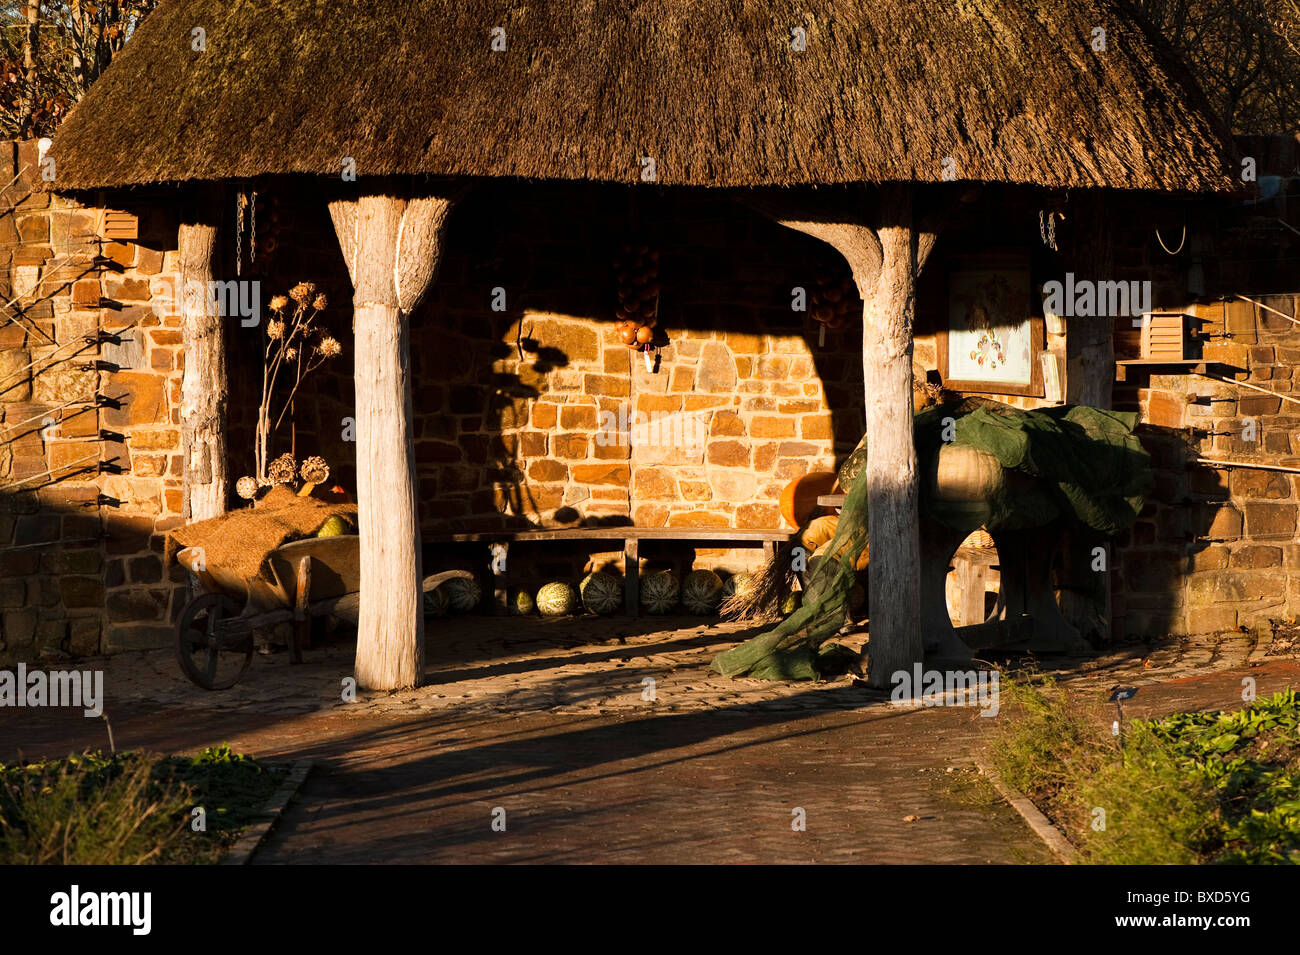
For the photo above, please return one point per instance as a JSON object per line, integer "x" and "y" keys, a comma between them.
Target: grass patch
{"x": 1191, "y": 788}
{"x": 130, "y": 808}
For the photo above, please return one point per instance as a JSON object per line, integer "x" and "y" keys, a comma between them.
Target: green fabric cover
{"x": 1089, "y": 469}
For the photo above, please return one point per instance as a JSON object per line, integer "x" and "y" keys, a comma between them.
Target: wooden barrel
{"x": 960, "y": 473}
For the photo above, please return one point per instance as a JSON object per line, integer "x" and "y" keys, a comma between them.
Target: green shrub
{"x": 129, "y": 809}
{"x": 1188, "y": 788}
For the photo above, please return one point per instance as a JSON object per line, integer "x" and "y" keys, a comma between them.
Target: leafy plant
{"x": 130, "y": 808}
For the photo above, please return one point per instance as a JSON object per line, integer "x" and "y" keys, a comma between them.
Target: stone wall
{"x": 1216, "y": 548}
{"x": 80, "y": 566}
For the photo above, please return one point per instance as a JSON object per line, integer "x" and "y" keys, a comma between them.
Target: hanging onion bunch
{"x": 834, "y": 300}
{"x": 637, "y": 269}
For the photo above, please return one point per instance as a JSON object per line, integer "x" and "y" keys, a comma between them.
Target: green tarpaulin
{"x": 1089, "y": 469}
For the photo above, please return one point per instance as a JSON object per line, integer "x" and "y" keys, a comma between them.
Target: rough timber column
{"x": 393, "y": 247}
{"x": 204, "y": 388}
{"x": 886, "y": 257}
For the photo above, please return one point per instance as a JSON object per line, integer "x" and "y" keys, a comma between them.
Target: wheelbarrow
{"x": 316, "y": 577}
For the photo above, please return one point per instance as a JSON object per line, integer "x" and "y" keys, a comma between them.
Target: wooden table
{"x": 499, "y": 545}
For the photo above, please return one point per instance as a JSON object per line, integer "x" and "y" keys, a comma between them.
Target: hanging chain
{"x": 240, "y": 199}
{"x": 252, "y": 230}
{"x": 1047, "y": 228}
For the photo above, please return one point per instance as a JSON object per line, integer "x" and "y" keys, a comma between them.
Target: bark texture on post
{"x": 393, "y": 248}
{"x": 886, "y": 256}
{"x": 204, "y": 387}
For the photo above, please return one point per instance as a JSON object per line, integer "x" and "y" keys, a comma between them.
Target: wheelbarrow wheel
{"x": 211, "y": 655}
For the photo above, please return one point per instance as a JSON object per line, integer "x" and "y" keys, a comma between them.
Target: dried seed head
{"x": 303, "y": 292}
{"x": 275, "y": 329}
{"x": 282, "y": 469}
{"x": 320, "y": 302}
{"x": 329, "y": 346}
{"x": 246, "y": 487}
{"x": 315, "y": 470}
{"x": 279, "y": 302}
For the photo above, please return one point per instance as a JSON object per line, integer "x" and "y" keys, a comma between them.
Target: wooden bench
{"x": 499, "y": 543}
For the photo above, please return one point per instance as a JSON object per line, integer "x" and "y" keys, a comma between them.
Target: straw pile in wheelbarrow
{"x": 242, "y": 540}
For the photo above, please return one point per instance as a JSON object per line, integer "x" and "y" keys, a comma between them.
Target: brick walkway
{"x": 546, "y": 719}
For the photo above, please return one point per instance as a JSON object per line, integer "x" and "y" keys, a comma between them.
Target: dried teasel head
{"x": 279, "y": 302}
{"x": 246, "y": 487}
{"x": 303, "y": 292}
{"x": 282, "y": 469}
{"x": 275, "y": 329}
{"x": 291, "y": 353}
{"x": 319, "y": 302}
{"x": 315, "y": 470}
{"x": 329, "y": 347}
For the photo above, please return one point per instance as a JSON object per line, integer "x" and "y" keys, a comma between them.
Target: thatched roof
{"x": 1011, "y": 90}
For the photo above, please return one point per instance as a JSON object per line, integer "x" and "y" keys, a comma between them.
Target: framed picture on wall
{"x": 993, "y": 334}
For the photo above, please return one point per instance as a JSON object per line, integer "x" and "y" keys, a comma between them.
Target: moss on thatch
{"x": 1011, "y": 90}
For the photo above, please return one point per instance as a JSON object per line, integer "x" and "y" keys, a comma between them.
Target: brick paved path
{"x": 546, "y": 719}
{"x": 697, "y": 787}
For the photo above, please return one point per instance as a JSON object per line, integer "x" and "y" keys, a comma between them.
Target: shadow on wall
{"x": 78, "y": 579}
{"x": 527, "y": 403}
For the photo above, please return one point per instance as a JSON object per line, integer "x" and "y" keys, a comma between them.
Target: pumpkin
{"x": 659, "y": 592}
{"x": 463, "y": 593}
{"x": 600, "y": 593}
{"x": 556, "y": 599}
{"x": 819, "y": 531}
{"x": 853, "y": 465}
{"x": 701, "y": 591}
{"x": 798, "y": 500}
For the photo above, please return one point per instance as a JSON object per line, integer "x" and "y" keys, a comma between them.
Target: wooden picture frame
{"x": 991, "y": 333}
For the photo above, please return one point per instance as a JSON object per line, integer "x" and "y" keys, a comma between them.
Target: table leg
{"x": 631, "y": 575}
{"x": 498, "y": 552}
{"x": 301, "y": 611}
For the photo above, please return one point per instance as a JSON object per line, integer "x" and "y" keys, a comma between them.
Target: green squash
{"x": 334, "y": 527}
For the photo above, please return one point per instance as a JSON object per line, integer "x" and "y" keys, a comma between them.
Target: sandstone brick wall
{"x": 80, "y": 567}
{"x": 1217, "y": 548}
{"x": 515, "y": 408}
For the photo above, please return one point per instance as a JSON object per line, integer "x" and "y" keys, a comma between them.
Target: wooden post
{"x": 1089, "y": 380}
{"x": 886, "y": 257}
{"x": 204, "y": 388}
{"x": 393, "y": 247}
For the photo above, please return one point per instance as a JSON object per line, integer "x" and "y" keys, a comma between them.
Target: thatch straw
{"x": 1010, "y": 90}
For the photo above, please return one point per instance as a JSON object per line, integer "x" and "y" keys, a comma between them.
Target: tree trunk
{"x": 393, "y": 248}
{"x": 886, "y": 257}
{"x": 31, "y": 54}
{"x": 894, "y": 574}
{"x": 204, "y": 388}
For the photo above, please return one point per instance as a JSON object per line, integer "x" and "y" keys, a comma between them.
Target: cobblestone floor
{"x": 546, "y": 720}
{"x": 595, "y": 665}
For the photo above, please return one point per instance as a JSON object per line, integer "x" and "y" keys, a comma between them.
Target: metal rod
{"x": 1245, "y": 464}
{"x": 49, "y": 471}
{"x": 85, "y": 402}
{"x": 1246, "y": 384}
{"x": 1294, "y": 321}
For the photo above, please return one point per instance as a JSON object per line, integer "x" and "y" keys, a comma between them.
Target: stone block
{"x": 1270, "y": 520}
{"x": 729, "y": 454}
{"x": 717, "y": 369}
